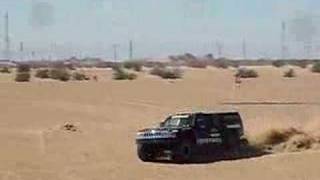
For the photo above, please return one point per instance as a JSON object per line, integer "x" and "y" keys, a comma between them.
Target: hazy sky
{"x": 157, "y": 27}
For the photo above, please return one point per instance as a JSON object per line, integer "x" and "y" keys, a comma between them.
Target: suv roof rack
{"x": 207, "y": 111}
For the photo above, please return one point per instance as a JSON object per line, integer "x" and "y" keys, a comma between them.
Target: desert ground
{"x": 107, "y": 114}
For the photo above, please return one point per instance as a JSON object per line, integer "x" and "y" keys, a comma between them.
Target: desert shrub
{"x": 59, "y": 74}
{"x": 134, "y": 65}
{"x": 278, "y": 63}
{"x": 246, "y": 73}
{"x": 235, "y": 64}
{"x": 209, "y": 56}
{"x": 23, "y": 68}
{"x": 302, "y": 64}
{"x": 197, "y": 64}
{"x": 5, "y": 70}
{"x": 316, "y": 67}
{"x": 43, "y": 73}
{"x": 120, "y": 74}
{"x": 167, "y": 73}
{"x": 23, "y": 77}
{"x": 290, "y": 73}
{"x": 79, "y": 76}
{"x": 152, "y": 64}
{"x": 221, "y": 63}
{"x": 62, "y": 65}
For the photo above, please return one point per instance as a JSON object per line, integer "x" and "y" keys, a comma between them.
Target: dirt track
{"x": 108, "y": 113}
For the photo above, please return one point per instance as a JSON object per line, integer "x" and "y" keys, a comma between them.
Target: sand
{"x": 107, "y": 114}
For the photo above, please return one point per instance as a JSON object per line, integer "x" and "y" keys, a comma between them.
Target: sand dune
{"x": 107, "y": 114}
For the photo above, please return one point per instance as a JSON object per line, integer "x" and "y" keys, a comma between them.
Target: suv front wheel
{"x": 145, "y": 153}
{"x": 184, "y": 152}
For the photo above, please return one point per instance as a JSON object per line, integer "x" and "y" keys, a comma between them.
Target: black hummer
{"x": 182, "y": 136}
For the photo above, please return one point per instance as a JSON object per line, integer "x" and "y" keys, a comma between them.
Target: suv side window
{"x": 217, "y": 122}
{"x": 204, "y": 121}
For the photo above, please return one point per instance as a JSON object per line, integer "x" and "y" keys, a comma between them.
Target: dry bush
{"x": 120, "y": 74}
{"x": 197, "y": 64}
{"x": 42, "y": 73}
{"x": 234, "y": 64}
{"x": 60, "y": 74}
{"x": 23, "y": 68}
{"x": 302, "y": 64}
{"x": 23, "y": 77}
{"x": 290, "y": 74}
{"x": 62, "y": 65}
{"x": 316, "y": 68}
{"x": 23, "y": 73}
{"x": 134, "y": 65}
{"x": 167, "y": 73}
{"x": 278, "y": 63}
{"x": 79, "y": 76}
{"x": 5, "y": 70}
{"x": 247, "y": 73}
{"x": 221, "y": 63}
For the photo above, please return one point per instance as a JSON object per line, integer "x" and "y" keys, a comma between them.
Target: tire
{"x": 244, "y": 142}
{"x": 184, "y": 152}
{"x": 232, "y": 141}
{"x": 145, "y": 153}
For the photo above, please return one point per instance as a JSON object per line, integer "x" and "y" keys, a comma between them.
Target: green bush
{"x": 278, "y": 63}
{"x": 247, "y": 73}
{"x": 316, "y": 67}
{"x": 134, "y": 65}
{"x": 43, "y": 73}
{"x": 79, "y": 76}
{"x": 5, "y": 70}
{"x": 290, "y": 73}
{"x": 167, "y": 73}
{"x": 120, "y": 74}
{"x": 60, "y": 74}
{"x": 23, "y": 77}
{"x": 23, "y": 68}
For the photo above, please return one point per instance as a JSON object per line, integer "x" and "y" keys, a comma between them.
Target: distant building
{"x": 86, "y": 62}
{"x": 7, "y": 63}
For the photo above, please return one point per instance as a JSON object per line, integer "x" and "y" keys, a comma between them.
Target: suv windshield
{"x": 178, "y": 121}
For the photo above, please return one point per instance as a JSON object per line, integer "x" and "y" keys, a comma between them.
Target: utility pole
{"x": 244, "y": 49}
{"x": 115, "y": 51}
{"x": 130, "y": 50}
{"x": 21, "y": 49}
{"x": 33, "y": 55}
{"x": 283, "y": 40}
{"x": 6, "y": 37}
{"x": 219, "y": 49}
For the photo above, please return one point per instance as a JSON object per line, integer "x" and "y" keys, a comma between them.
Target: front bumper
{"x": 168, "y": 141}
{"x": 161, "y": 149}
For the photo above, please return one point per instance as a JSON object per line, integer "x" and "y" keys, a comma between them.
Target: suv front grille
{"x": 155, "y": 135}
